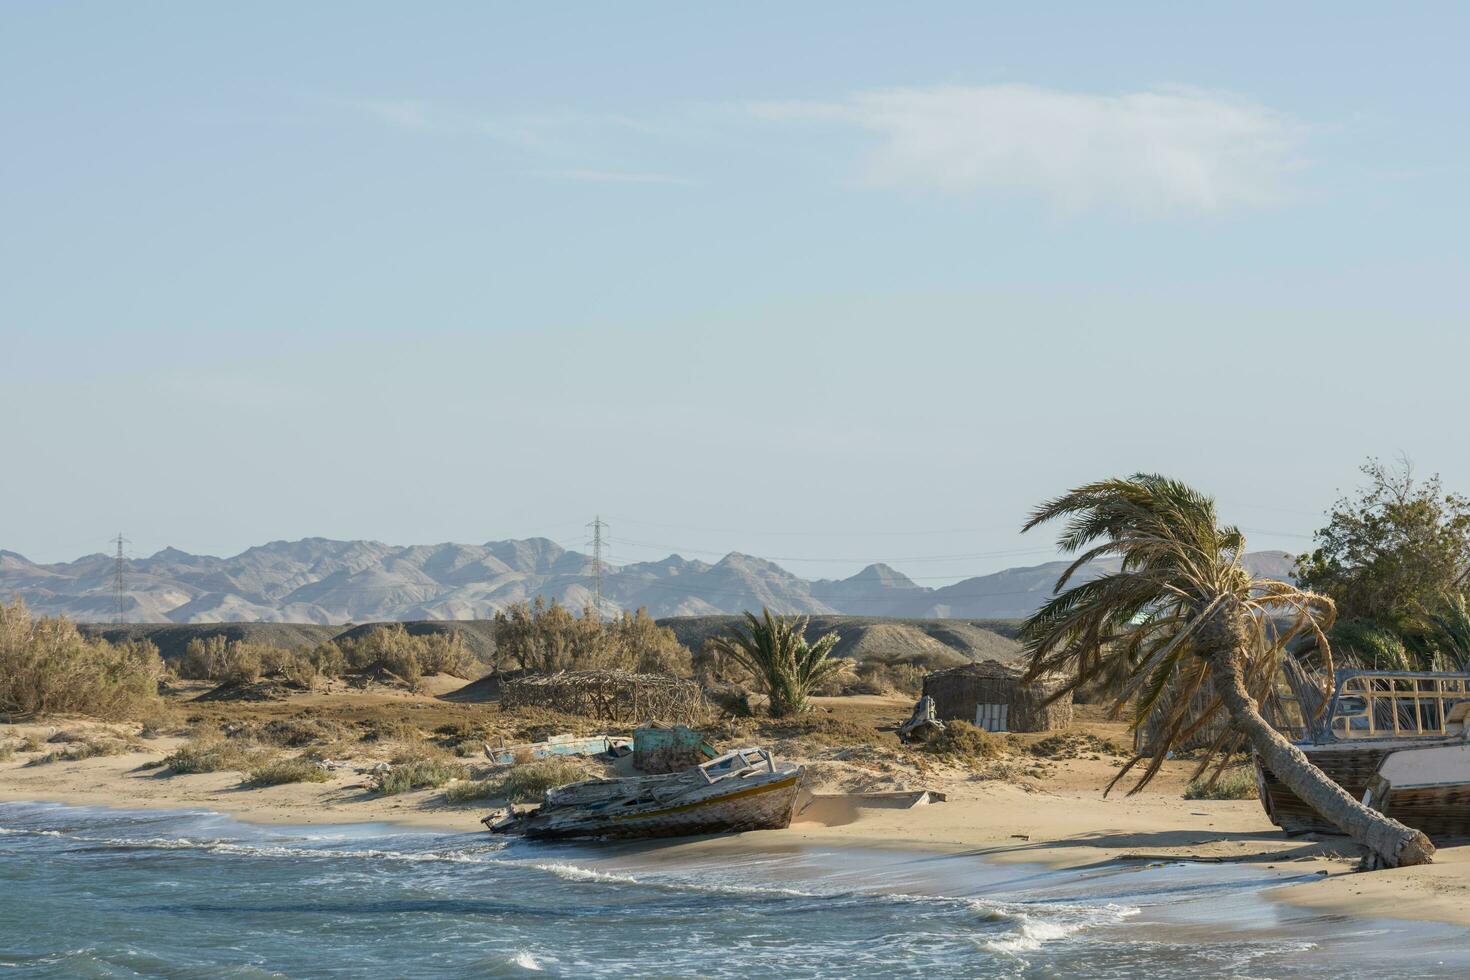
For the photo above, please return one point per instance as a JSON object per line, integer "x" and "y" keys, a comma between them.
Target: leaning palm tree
{"x": 774, "y": 649}
{"x": 1181, "y": 612}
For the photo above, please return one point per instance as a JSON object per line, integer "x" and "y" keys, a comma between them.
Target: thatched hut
{"x": 994, "y": 696}
{"x": 609, "y": 695}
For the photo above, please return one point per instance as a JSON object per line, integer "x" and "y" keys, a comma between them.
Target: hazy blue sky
{"x": 827, "y": 283}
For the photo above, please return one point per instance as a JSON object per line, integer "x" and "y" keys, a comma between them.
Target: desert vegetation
{"x": 775, "y": 652}
{"x": 387, "y": 652}
{"x": 543, "y": 638}
{"x": 47, "y": 667}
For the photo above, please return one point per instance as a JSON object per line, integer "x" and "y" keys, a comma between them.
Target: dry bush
{"x": 881, "y": 677}
{"x": 47, "y": 667}
{"x": 1074, "y": 745}
{"x": 7, "y": 751}
{"x": 417, "y": 770}
{"x": 388, "y": 729}
{"x": 960, "y": 739}
{"x": 214, "y": 755}
{"x": 279, "y": 771}
{"x": 214, "y": 658}
{"x": 544, "y": 638}
{"x": 445, "y": 654}
{"x": 297, "y": 732}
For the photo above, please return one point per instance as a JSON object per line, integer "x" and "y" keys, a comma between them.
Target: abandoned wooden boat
{"x": 1372, "y": 714}
{"x": 1427, "y": 787}
{"x": 740, "y": 790}
{"x": 505, "y": 755}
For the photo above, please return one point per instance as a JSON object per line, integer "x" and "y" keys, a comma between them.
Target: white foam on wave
{"x": 31, "y": 833}
{"x": 525, "y": 961}
{"x": 572, "y": 872}
{"x": 1036, "y": 926}
{"x": 235, "y": 848}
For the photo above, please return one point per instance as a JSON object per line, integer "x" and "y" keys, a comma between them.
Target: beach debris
{"x": 663, "y": 748}
{"x": 741, "y": 790}
{"x": 591, "y": 745}
{"x": 923, "y": 724}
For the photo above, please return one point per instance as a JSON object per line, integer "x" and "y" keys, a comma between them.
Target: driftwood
{"x": 609, "y": 695}
{"x": 960, "y": 692}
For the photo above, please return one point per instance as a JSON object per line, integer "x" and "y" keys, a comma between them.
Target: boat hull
{"x": 1352, "y": 765}
{"x": 764, "y": 805}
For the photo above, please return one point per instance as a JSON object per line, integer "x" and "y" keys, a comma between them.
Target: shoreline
{"x": 995, "y": 821}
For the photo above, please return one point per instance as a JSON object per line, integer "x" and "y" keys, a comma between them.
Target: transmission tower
{"x": 598, "y": 526}
{"x": 117, "y": 582}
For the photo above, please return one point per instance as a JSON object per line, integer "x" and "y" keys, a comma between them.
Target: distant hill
{"x": 324, "y": 582}
{"x": 937, "y": 642}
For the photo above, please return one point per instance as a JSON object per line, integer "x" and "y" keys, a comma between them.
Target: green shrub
{"x": 528, "y": 782}
{"x": 415, "y": 771}
{"x": 47, "y": 667}
{"x": 279, "y": 771}
{"x": 962, "y": 739}
{"x": 212, "y": 755}
{"x": 1234, "y": 784}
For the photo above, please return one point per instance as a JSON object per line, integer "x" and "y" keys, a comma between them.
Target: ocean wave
{"x": 525, "y": 961}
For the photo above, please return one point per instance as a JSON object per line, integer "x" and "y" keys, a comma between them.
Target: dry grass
{"x": 7, "y": 751}
{"x": 469, "y": 790}
{"x": 417, "y": 770}
{"x": 529, "y": 781}
{"x": 83, "y": 748}
{"x": 213, "y": 755}
{"x": 1234, "y": 784}
{"x": 279, "y": 771}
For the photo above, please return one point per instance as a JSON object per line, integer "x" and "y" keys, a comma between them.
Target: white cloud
{"x": 1162, "y": 151}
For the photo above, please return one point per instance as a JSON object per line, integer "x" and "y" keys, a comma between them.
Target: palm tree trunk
{"x": 1390, "y": 843}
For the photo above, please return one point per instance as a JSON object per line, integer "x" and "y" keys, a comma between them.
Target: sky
{"x": 826, "y": 283}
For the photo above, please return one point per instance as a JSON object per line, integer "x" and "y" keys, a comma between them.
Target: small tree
{"x": 1393, "y": 551}
{"x": 774, "y": 649}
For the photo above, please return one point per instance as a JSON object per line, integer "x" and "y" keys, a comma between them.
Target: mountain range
{"x": 317, "y": 580}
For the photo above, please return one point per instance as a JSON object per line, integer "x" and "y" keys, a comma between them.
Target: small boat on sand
{"x": 1427, "y": 787}
{"x": 740, "y": 790}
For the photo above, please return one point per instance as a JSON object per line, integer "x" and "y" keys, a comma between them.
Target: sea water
{"x": 91, "y": 892}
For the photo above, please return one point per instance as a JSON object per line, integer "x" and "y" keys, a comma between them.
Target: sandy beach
{"x": 1068, "y": 823}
